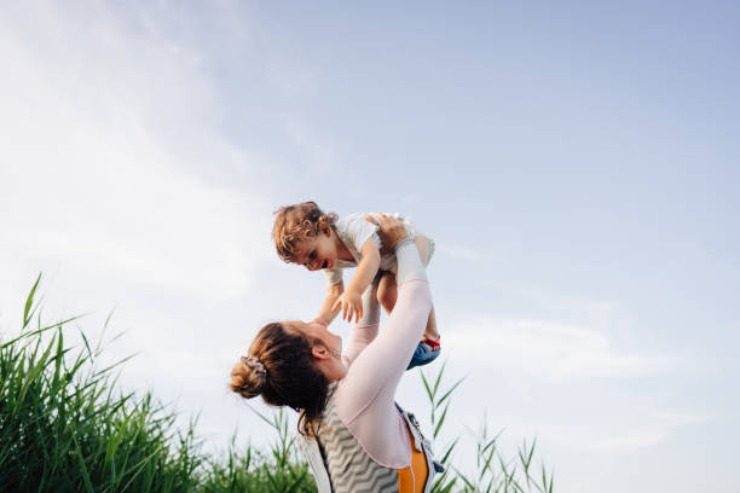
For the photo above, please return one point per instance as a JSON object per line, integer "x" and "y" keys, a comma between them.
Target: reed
{"x": 282, "y": 468}
{"x": 65, "y": 427}
{"x": 493, "y": 472}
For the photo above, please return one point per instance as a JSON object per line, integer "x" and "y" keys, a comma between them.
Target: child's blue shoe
{"x": 426, "y": 351}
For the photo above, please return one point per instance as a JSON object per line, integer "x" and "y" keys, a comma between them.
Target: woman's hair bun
{"x": 248, "y": 377}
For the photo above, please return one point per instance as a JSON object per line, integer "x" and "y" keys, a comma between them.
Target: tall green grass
{"x": 281, "y": 468}
{"x": 493, "y": 471}
{"x": 66, "y": 428}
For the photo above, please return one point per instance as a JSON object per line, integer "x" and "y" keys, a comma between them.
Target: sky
{"x": 576, "y": 163}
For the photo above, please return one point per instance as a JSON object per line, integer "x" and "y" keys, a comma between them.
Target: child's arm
{"x": 327, "y": 313}
{"x": 351, "y": 300}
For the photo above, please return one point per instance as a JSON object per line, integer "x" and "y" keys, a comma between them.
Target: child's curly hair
{"x": 294, "y": 223}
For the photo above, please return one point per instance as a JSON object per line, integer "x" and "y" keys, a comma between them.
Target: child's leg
{"x": 387, "y": 291}
{"x": 431, "y": 331}
{"x": 370, "y": 308}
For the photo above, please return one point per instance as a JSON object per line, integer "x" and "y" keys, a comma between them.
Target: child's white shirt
{"x": 354, "y": 230}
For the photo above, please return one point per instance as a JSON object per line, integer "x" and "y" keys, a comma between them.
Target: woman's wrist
{"x": 401, "y": 243}
{"x": 409, "y": 262}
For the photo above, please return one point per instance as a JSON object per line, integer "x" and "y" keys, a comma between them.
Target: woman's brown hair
{"x": 280, "y": 367}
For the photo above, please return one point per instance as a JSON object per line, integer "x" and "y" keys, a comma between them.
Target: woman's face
{"x": 319, "y": 332}
{"x": 334, "y": 366}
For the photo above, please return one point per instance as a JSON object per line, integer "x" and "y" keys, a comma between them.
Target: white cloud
{"x": 582, "y": 389}
{"x": 114, "y": 182}
{"x": 549, "y": 350}
{"x": 654, "y": 429}
{"x": 461, "y": 252}
{"x": 101, "y": 134}
{"x": 94, "y": 176}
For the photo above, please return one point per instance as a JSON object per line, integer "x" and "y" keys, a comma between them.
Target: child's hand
{"x": 351, "y": 305}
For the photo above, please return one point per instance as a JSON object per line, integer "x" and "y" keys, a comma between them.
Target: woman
{"x": 346, "y": 400}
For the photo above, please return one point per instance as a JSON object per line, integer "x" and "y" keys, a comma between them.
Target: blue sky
{"x": 576, "y": 164}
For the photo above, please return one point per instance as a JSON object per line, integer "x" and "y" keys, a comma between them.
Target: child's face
{"x": 319, "y": 252}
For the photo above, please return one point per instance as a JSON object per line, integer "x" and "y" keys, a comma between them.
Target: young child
{"x": 305, "y": 235}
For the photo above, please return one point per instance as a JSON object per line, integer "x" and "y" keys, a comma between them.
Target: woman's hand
{"x": 390, "y": 230}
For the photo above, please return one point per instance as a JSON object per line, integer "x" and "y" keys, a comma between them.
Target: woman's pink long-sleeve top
{"x": 376, "y": 360}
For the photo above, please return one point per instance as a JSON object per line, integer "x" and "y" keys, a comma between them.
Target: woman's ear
{"x": 326, "y": 229}
{"x": 320, "y": 351}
